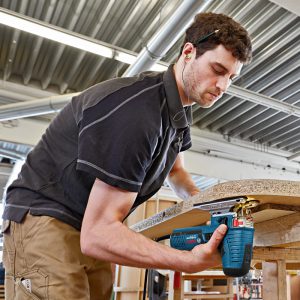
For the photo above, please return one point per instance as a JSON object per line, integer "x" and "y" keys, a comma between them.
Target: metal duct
{"x": 165, "y": 38}
{"x": 34, "y": 107}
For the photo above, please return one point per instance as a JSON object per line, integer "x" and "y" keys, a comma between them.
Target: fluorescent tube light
{"x": 158, "y": 68}
{"x": 54, "y": 34}
{"x": 125, "y": 57}
{"x": 65, "y": 37}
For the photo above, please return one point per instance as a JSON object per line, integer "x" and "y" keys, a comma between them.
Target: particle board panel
{"x": 183, "y": 214}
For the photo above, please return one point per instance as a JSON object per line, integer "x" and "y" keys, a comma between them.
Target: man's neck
{"x": 177, "y": 70}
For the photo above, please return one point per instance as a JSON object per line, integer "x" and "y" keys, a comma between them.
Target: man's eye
{"x": 219, "y": 72}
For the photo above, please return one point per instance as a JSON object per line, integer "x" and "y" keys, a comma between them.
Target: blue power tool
{"x": 236, "y": 247}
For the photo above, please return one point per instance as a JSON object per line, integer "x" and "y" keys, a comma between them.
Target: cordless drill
{"x": 236, "y": 247}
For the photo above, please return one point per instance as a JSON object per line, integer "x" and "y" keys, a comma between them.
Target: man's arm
{"x": 181, "y": 181}
{"x": 105, "y": 237}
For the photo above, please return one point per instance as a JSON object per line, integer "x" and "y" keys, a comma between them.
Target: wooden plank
{"x": 281, "y": 279}
{"x": 269, "y": 211}
{"x": 291, "y": 208}
{"x": 289, "y": 266}
{"x": 287, "y": 254}
{"x": 198, "y": 276}
{"x": 274, "y": 283}
{"x": 278, "y": 231}
{"x": 194, "y": 295}
{"x": 133, "y": 290}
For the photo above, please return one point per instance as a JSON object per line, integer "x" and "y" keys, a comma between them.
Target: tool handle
{"x": 236, "y": 247}
{"x": 236, "y": 251}
{"x": 188, "y": 238}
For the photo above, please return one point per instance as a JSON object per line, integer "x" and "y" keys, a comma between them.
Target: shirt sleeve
{"x": 116, "y": 145}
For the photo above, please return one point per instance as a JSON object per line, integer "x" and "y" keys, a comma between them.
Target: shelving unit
{"x": 204, "y": 285}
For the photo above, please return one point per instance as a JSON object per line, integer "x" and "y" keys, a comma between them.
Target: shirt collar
{"x": 180, "y": 116}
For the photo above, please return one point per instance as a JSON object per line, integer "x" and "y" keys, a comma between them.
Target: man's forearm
{"x": 118, "y": 244}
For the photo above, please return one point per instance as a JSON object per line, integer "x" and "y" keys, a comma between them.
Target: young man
{"x": 108, "y": 151}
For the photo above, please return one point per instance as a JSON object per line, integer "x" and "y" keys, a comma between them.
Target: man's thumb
{"x": 218, "y": 236}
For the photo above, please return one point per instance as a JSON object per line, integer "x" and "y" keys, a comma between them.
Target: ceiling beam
{"x": 261, "y": 99}
{"x": 218, "y": 145}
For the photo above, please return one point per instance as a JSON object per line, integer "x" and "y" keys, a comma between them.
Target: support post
{"x": 274, "y": 282}
{"x": 175, "y": 286}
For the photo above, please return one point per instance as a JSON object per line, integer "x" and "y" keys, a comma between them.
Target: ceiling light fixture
{"x": 66, "y": 37}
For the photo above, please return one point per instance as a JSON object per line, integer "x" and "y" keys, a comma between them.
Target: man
{"x": 108, "y": 151}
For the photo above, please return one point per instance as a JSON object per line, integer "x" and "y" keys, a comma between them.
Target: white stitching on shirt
{"x": 189, "y": 142}
{"x": 108, "y": 174}
{"x": 119, "y": 106}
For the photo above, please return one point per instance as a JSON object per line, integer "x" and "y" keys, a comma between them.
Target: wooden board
{"x": 284, "y": 194}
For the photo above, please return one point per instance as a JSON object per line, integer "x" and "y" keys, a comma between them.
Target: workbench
{"x": 276, "y": 222}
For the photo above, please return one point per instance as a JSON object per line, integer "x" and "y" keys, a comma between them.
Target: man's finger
{"x": 217, "y": 236}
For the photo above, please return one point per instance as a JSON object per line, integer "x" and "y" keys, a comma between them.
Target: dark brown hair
{"x": 231, "y": 35}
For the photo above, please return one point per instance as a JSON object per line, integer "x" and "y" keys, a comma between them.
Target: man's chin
{"x": 206, "y": 104}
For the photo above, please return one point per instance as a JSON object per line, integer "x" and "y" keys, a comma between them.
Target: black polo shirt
{"x": 126, "y": 131}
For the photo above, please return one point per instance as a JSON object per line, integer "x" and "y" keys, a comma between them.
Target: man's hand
{"x": 181, "y": 181}
{"x": 208, "y": 254}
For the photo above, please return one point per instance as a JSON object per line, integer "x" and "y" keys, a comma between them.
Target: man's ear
{"x": 188, "y": 51}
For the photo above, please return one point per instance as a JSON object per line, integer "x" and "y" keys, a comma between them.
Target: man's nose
{"x": 223, "y": 83}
